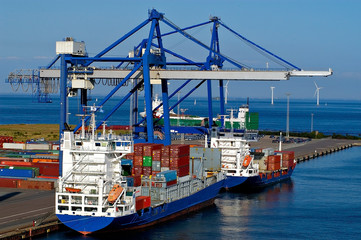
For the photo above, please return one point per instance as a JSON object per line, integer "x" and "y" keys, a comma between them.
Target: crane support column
{"x": 167, "y": 137}
{"x": 221, "y": 96}
{"x": 63, "y": 103}
{"x": 147, "y": 86}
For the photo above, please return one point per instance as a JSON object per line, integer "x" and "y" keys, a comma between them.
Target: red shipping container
{"x": 273, "y": 166}
{"x": 176, "y": 162}
{"x": 148, "y": 149}
{"x": 142, "y": 202}
{"x": 258, "y": 150}
{"x": 138, "y": 149}
{"x": 137, "y": 171}
{"x": 138, "y": 161}
{"x": 166, "y": 151}
{"x": 137, "y": 181}
{"x": 164, "y": 162}
{"x": 129, "y": 156}
{"x": 170, "y": 183}
{"x": 8, "y": 182}
{"x": 287, "y": 163}
{"x": 274, "y": 159}
{"x": 179, "y": 150}
{"x": 147, "y": 171}
{"x": 157, "y": 154}
{"x": 181, "y": 171}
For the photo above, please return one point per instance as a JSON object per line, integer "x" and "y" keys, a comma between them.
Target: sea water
{"x": 331, "y": 116}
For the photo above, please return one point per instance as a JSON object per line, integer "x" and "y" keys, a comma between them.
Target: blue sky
{"x": 312, "y": 34}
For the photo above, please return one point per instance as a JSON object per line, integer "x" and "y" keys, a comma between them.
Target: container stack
{"x": 273, "y": 162}
{"x": 5, "y": 139}
{"x": 179, "y": 159}
{"x": 287, "y": 158}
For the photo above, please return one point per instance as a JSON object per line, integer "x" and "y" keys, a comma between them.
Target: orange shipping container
{"x": 273, "y": 166}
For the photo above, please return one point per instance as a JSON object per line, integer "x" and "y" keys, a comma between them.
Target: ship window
{"x": 78, "y": 143}
{"x": 97, "y": 144}
{"x": 231, "y": 171}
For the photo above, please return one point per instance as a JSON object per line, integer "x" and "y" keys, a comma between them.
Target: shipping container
{"x": 126, "y": 162}
{"x": 156, "y": 166}
{"x": 137, "y": 180}
{"x": 166, "y": 151}
{"x": 176, "y": 162}
{"x": 169, "y": 175}
{"x": 14, "y": 145}
{"x": 23, "y": 173}
{"x": 149, "y": 148}
{"x": 164, "y": 162}
{"x": 147, "y": 171}
{"x": 37, "y": 146}
{"x": 179, "y": 150}
{"x": 130, "y": 181}
{"x": 147, "y": 161}
{"x": 138, "y": 149}
{"x": 142, "y": 202}
{"x": 182, "y": 171}
{"x": 273, "y": 166}
{"x": 41, "y": 185}
{"x": 137, "y": 171}
{"x": 162, "y": 169}
{"x": 157, "y": 154}
{"x": 8, "y": 182}
{"x": 138, "y": 161}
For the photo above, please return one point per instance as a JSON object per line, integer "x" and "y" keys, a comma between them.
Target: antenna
{"x": 272, "y": 94}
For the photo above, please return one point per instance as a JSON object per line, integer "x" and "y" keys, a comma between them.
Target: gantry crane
{"x": 147, "y": 64}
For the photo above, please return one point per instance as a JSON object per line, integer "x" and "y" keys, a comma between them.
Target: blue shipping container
{"x": 127, "y": 162}
{"x": 130, "y": 181}
{"x": 169, "y": 175}
{"x": 17, "y": 173}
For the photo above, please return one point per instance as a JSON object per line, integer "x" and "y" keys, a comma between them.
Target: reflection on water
{"x": 238, "y": 210}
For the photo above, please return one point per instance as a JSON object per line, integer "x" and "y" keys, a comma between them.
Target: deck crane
{"x": 148, "y": 64}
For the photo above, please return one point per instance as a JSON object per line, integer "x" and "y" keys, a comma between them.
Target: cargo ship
{"x": 111, "y": 184}
{"x": 243, "y": 120}
{"x": 248, "y": 169}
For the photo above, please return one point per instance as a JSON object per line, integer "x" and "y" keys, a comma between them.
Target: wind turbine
{"x": 272, "y": 95}
{"x": 226, "y": 87}
{"x": 317, "y": 93}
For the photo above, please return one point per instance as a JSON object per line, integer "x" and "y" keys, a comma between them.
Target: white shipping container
{"x": 162, "y": 169}
{"x": 37, "y": 146}
{"x": 14, "y": 145}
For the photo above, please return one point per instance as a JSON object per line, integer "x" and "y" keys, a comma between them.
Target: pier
{"x": 28, "y": 213}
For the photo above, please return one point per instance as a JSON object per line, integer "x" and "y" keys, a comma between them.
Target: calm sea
{"x": 331, "y": 116}
{"x": 321, "y": 201}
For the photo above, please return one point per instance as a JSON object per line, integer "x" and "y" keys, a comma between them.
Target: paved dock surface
{"x": 19, "y": 207}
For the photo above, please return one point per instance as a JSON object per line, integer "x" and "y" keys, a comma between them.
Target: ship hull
{"x": 264, "y": 180}
{"x": 234, "y": 182}
{"x": 91, "y": 224}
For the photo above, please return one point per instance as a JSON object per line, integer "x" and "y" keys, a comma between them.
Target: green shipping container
{"x": 147, "y": 161}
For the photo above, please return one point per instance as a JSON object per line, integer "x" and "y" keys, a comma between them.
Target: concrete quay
{"x": 309, "y": 150}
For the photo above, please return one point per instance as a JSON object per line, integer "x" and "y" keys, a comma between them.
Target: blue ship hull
{"x": 232, "y": 182}
{"x": 91, "y": 224}
{"x": 264, "y": 180}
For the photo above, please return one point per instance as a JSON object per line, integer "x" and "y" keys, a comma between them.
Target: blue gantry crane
{"x": 147, "y": 64}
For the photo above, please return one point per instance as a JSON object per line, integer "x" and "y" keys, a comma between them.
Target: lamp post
{"x": 288, "y": 116}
